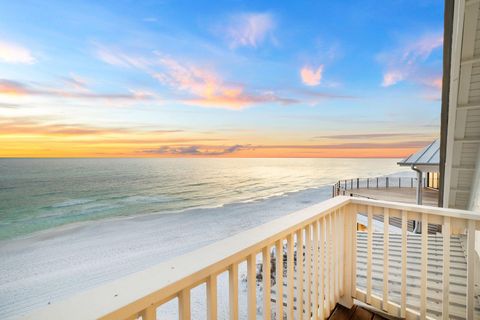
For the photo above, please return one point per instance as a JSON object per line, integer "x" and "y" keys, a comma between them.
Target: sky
{"x": 230, "y": 78}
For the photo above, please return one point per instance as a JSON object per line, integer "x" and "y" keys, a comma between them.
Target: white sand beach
{"x": 55, "y": 264}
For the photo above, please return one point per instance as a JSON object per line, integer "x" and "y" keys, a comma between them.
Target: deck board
{"x": 355, "y": 313}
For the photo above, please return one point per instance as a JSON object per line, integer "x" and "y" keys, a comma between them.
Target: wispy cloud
{"x": 311, "y": 76}
{"x": 16, "y": 88}
{"x": 198, "y": 150}
{"x": 361, "y": 136}
{"x": 14, "y": 53}
{"x": 248, "y": 29}
{"x": 199, "y": 86}
{"x": 405, "y": 62}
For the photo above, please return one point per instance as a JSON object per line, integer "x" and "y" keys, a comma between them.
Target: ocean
{"x": 40, "y": 194}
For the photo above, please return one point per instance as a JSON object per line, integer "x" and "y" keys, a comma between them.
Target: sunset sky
{"x": 175, "y": 78}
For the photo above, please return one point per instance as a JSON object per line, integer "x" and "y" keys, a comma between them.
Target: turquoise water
{"x": 38, "y": 194}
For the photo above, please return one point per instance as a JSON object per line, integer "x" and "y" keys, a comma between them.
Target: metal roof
{"x": 430, "y": 155}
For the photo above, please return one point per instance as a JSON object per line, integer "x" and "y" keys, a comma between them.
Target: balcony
{"x": 325, "y": 261}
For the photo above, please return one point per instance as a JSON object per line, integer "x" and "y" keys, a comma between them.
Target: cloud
{"x": 248, "y": 29}
{"x": 15, "y": 88}
{"x": 14, "y": 53}
{"x": 405, "y": 62}
{"x": 310, "y": 76}
{"x": 207, "y": 88}
{"x": 369, "y": 136}
{"x": 198, "y": 150}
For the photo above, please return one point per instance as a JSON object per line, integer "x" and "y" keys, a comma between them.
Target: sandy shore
{"x": 50, "y": 266}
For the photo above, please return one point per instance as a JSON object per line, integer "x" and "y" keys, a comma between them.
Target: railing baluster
{"x": 315, "y": 270}
{"x": 331, "y": 295}
{"x": 386, "y": 243}
{"x": 341, "y": 236}
{"x": 233, "y": 291}
{"x": 321, "y": 294}
{"x": 326, "y": 231}
{"x": 184, "y": 304}
{"x": 369, "y": 254}
{"x": 300, "y": 277}
{"x": 267, "y": 315}
{"x": 212, "y": 297}
{"x": 149, "y": 314}
{"x": 252, "y": 286}
{"x": 308, "y": 271}
{"x": 279, "y": 277}
{"x": 354, "y": 249}
{"x": 470, "y": 269}
{"x": 290, "y": 278}
{"x": 446, "y": 268}
{"x": 336, "y": 255}
{"x": 403, "y": 290}
{"x": 423, "y": 274}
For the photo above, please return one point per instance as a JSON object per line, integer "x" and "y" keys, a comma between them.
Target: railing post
{"x": 351, "y": 184}
{"x": 368, "y": 183}
{"x": 399, "y": 182}
{"x": 149, "y": 314}
{"x": 386, "y": 182}
{"x": 470, "y": 269}
{"x": 377, "y": 182}
{"x": 252, "y": 285}
{"x": 233, "y": 291}
{"x": 358, "y": 183}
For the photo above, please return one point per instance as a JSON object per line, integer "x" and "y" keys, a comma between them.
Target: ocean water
{"x": 39, "y": 194}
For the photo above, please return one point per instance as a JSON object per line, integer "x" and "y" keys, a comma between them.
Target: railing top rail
{"x": 162, "y": 282}
{"x": 454, "y": 213}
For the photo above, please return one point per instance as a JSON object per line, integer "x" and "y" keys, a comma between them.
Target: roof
{"x": 430, "y": 155}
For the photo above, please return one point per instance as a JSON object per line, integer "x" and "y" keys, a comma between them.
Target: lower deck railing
{"x": 309, "y": 264}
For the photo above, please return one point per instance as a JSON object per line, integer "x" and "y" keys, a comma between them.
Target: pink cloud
{"x": 310, "y": 76}
{"x": 249, "y": 29}
{"x": 14, "y": 53}
{"x": 405, "y": 62}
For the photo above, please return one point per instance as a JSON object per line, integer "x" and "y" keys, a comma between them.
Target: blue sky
{"x": 219, "y": 78}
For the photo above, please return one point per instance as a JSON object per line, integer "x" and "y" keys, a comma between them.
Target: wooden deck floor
{"x": 405, "y": 195}
{"x": 355, "y": 313}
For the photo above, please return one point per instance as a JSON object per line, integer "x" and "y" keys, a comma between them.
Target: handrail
{"x": 342, "y": 186}
{"x": 327, "y": 269}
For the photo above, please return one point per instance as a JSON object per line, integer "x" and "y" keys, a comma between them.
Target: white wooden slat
{"x": 279, "y": 277}
{"x": 321, "y": 272}
{"x": 300, "y": 275}
{"x": 341, "y": 236}
{"x": 252, "y": 286}
{"x": 403, "y": 290}
{"x": 336, "y": 237}
{"x": 184, "y": 304}
{"x": 423, "y": 272}
{"x": 150, "y": 313}
{"x": 233, "y": 291}
{"x": 308, "y": 270}
{"x": 212, "y": 297}
{"x": 327, "y": 266}
{"x": 446, "y": 268}
{"x": 315, "y": 271}
{"x": 353, "y": 270}
{"x": 386, "y": 244}
{"x": 333, "y": 291}
{"x": 369, "y": 254}
{"x": 470, "y": 269}
{"x": 290, "y": 278}
{"x": 347, "y": 300}
{"x": 329, "y": 296}
{"x": 267, "y": 304}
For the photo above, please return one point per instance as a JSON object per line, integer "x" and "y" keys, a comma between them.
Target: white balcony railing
{"x": 320, "y": 269}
